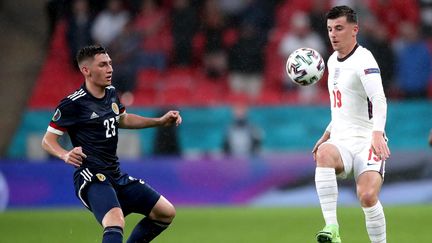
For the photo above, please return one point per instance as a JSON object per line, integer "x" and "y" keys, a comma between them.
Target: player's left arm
{"x": 372, "y": 84}
{"x": 133, "y": 121}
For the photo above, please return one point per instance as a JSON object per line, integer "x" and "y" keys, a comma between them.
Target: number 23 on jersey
{"x": 110, "y": 127}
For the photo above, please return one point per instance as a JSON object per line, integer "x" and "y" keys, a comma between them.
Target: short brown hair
{"x": 89, "y": 52}
{"x": 340, "y": 11}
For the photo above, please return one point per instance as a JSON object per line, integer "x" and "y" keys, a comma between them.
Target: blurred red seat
{"x": 208, "y": 92}
{"x": 57, "y": 77}
{"x": 269, "y": 96}
{"x": 145, "y": 98}
{"x": 148, "y": 80}
{"x": 175, "y": 97}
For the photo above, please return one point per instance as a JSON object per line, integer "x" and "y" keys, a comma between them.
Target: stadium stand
{"x": 58, "y": 77}
{"x": 175, "y": 86}
{"x": 22, "y": 51}
{"x": 185, "y": 85}
{"x": 188, "y": 87}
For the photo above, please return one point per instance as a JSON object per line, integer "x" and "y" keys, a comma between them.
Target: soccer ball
{"x": 305, "y": 66}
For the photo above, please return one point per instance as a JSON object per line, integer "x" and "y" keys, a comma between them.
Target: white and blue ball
{"x": 305, "y": 66}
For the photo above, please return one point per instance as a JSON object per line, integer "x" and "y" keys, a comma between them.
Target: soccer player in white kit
{"x": 354, "y": 141}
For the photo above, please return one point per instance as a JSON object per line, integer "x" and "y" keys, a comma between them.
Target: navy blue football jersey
{"x": 91, "y": 123}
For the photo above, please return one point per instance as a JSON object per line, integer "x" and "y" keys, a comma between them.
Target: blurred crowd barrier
{"x": 185, "y": 182}
{"x": 282, "y": 180}
{"x": 286, "y": 128}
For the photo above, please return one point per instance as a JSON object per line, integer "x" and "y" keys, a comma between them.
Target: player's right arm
{"x": 323, "y": 138}
{"x": 64, "y": 116}
{"x": 73, "y": 157}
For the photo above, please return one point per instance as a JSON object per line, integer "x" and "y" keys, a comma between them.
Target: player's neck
{"x": 343, "y": 53}
{"x": 95, "y": 90}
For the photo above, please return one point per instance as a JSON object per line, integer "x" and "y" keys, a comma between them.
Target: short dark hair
{"x": 89, "y": 52}
{"x": 340, "y": 11}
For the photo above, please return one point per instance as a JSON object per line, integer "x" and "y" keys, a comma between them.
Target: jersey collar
{"x": 90, "y": 94}
{"x": 349, "y": 54}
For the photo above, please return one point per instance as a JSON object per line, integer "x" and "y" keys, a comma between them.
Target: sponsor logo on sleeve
{"x": 371, "y": 70}
{"x": 56, "y": 115}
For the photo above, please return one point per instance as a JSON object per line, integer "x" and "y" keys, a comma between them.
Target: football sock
{"x": 146, "y": 230}
{"x": 327, "y": 190}
{"x": 375, "y": 223}
{"x": 113, "y": 234}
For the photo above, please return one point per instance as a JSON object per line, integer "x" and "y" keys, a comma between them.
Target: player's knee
{"x": 367, "y": 198}
{"x": 114, "y": 217}
{"x": 325, "y": 156}
{"x": 168, "y": 214}
{"x": 163, "y": 211}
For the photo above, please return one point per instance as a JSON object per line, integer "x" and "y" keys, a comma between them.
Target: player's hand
{"x": 74, "y": 157}
{"x": 171, "y": 118}
{"x": 379, "y": 145}
{"x": 320, "y": 141}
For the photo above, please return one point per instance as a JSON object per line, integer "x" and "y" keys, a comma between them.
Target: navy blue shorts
{"x": 100, "y": 193}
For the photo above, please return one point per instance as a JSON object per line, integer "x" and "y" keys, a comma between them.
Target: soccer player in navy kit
{"x": 91, "y": 116}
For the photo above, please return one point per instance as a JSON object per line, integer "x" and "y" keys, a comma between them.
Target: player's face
{"x": 100, "y": 70}
{"x": 342, "y": 34}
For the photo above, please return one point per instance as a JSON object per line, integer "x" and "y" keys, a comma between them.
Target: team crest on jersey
{"x": 56, "y": 115}
{"x": 101, "y": 177}
{"x": 336, "y": 75}
{"x": 115, "y": 108}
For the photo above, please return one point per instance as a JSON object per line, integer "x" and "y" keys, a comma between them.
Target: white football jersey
{"x": 354, "y": 84}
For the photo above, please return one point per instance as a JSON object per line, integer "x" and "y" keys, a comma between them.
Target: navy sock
{"x": 113, "y": 234}
{"x": 146, "y": 230}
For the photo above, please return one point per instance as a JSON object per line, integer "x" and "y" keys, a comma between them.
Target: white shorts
{"x": 358, "y": 157}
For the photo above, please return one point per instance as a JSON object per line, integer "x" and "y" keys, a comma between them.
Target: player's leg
{"x": 139, "y": 197}
{"x": 163, "y": 211}
{"x": 369, "y": 172}
{"x": 152, "y": 225}
{"x": 368, "y": 187}
{"x": 103, "y": 202}
{"x": 328, "y": 164}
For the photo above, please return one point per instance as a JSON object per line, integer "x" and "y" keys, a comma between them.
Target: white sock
{"x": 327, "y": 190}
{"x": 376, "y": 223}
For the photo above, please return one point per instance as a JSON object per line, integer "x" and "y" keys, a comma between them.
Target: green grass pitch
{"x": 405, "y": 224}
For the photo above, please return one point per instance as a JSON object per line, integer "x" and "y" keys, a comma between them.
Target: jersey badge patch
{"x": 56, "y": 115}
{"x": 336, "y": 76}
{"x": 101, "y": 177}
{"x": 115, "y": 108}
{"x": 371, "y": 70}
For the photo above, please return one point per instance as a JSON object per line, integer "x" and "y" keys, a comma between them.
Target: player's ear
{"x": 84, "y": 69}
{"x": 355, "y": 30}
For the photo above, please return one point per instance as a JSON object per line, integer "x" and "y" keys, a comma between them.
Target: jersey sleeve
{"x": 370, "y": 76}
{"x": 329, "y": 127}
{"x": 64, "y": 116}
{"x": 122, "y": 108}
